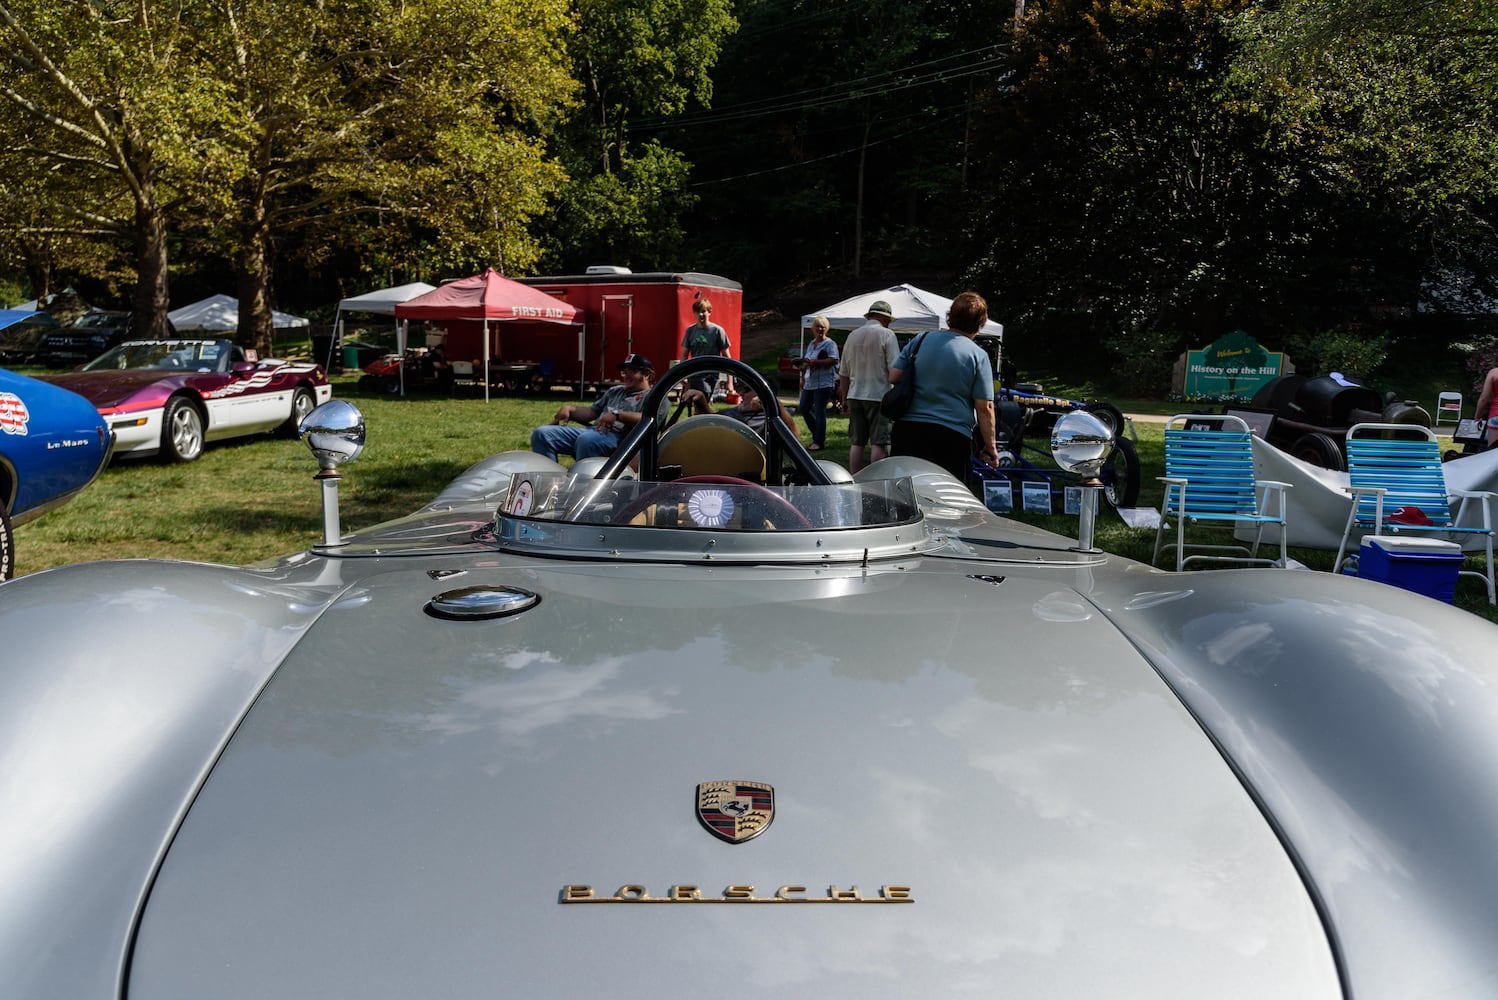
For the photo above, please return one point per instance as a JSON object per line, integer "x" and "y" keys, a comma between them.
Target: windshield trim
{"x": 640, "y": 543}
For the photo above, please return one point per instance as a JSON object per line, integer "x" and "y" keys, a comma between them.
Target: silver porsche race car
{"x": 711, "y": 716}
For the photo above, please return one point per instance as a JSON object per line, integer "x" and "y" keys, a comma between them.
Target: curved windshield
{"x": 166, "y": 355}
{"x": 709, "y": 503}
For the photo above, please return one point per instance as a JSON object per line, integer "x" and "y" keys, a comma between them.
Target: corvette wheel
{"x": 7, "y": 548}
{"x": 181, "y": 431}
{"x": 302, "y": 402}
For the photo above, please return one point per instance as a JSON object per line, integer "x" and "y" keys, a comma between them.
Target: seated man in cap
{"x": 611, "y": 416}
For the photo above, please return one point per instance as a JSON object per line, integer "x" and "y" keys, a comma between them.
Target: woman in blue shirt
{"x": 818, "y": 381}
{"x": 953, "y": 392}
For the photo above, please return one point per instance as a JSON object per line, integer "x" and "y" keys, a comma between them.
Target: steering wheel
{"x": 773, "y": 507}
{"x": 782, "y": 445}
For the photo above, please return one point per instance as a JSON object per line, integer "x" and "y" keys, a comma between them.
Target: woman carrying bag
{"x": 953, "y": 392}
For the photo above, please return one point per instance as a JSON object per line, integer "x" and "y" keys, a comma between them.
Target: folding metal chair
{"x": 1448, "y": 408}
{"x": 1393, "y": 468}
{"x": 1209, "y": 480}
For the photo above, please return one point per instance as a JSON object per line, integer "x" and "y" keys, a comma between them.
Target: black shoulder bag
{"x": 898, "y": 397}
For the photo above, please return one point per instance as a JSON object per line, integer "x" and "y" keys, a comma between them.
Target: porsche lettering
{"x": 737, "y": 894}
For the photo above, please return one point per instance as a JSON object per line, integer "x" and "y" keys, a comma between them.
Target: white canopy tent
{"x": 384, "y": 300}
{"x": 220, "y": 313}
{"x": 381, "y": 301}
{"x": 915, "y": 310}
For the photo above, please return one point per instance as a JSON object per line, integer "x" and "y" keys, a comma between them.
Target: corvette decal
{"x": 258, "y": 380}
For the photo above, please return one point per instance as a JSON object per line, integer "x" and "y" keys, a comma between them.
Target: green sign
{"x": 1232, "y": 365}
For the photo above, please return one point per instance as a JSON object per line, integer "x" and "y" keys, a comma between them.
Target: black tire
{"x": 1110, "y": 415}
{"x": 1319, "y": 450}
{"x": 7, "y": 548}
{"x": 302, "y": 402}
{"x": 181, "y": 431}
{"x": 1120, "y": 475}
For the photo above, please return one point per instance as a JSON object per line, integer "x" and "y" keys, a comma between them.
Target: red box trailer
{"x": 623, "y": 313}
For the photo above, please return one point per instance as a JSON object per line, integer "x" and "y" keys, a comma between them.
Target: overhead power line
{"x": 829, "y": 156}
{"x": 879, "y": 84}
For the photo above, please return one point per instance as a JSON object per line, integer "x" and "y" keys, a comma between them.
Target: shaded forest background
{"x": 1121, "y": 180}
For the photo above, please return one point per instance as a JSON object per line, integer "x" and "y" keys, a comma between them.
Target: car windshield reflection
{"x": 164, "y": 355}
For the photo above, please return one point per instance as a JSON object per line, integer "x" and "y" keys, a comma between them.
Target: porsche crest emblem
{"x": 735, "y": 811}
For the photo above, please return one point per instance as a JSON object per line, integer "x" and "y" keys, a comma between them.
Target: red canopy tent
{"x": 489, "y": 297}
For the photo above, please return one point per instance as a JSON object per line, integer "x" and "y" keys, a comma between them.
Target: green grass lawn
{"x": 255, "y": 499}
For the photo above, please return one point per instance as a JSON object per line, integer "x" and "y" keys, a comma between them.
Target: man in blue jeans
{"x": 611, "y": 416}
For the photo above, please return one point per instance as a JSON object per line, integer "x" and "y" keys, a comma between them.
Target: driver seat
{"x": 714, "y": 445}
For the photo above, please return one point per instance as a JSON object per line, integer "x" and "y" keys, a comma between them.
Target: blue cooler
{"x": 1427, "y": 566}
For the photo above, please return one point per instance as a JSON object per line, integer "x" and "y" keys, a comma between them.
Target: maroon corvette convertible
{"x": 169, "y": 397}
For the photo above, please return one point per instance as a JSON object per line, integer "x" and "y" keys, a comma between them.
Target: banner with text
{"x": 1234, "y": 365}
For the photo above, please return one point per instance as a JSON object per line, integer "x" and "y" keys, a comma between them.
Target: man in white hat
{"x": 868, "y": 355}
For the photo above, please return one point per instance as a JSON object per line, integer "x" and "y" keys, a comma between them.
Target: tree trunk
{"x": 256, "y": 323}
{"x": 39, "y": 274}
{"x": 152, "y": 290}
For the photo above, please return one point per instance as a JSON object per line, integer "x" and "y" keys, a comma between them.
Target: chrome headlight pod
{"x": 1081, "y": 443}
{"x": 334, "y": 432}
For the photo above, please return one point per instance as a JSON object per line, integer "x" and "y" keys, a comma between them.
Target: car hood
{"x": 111, "y": 388}
{"x": 410, "y": 800}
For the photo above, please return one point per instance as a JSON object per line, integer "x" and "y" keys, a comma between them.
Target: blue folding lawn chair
{"x": 1398, "y": 487}
{"x": 1209, "y": 482}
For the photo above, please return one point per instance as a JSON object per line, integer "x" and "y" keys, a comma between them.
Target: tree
{"x": 634, "y": 59}
{"x": 35, "y": 243}
{"x": 1134, "y": 182}
{"x": 1398, "y": 104}
{"x": 91, "y": 97}
{"x": 425, "y": 119}
{"x": 247, "y": 123}
{"x": 838, "y": 139}
{"x": 644, "y": 57}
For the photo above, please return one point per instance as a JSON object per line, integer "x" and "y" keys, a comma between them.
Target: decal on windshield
{"x": 521, "y": 499}
{"x": 710, "y": 508}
